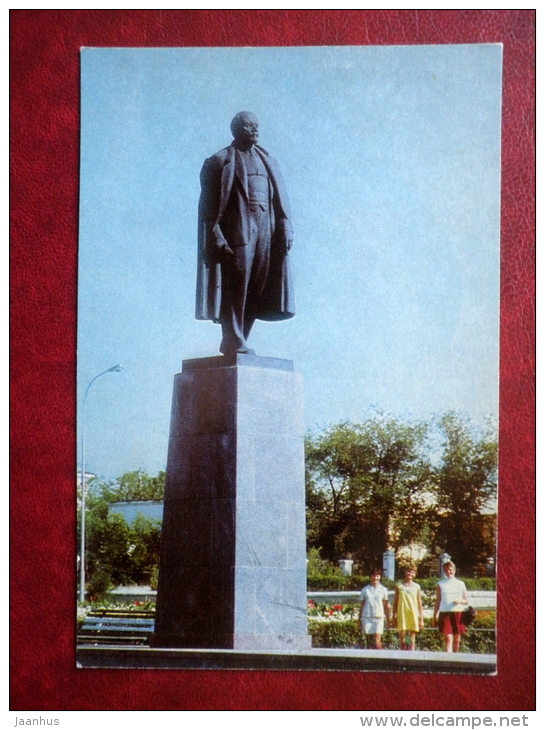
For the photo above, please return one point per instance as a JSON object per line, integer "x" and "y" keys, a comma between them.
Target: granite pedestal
{"x": 233, "y": 562}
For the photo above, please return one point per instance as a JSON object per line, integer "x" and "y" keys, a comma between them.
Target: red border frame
{"x": 44, "y": 83}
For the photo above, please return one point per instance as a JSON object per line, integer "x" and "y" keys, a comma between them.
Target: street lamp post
{"x": 114, "y": 369}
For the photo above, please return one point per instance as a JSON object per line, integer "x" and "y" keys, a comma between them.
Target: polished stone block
{"x": 233, "y": 568}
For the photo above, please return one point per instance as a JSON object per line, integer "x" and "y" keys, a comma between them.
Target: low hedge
{"x": 341, "y": 582}
{"x": 472, "y": 584}
{"x": 344, "y": 635}
{"x": 357, "y": 582}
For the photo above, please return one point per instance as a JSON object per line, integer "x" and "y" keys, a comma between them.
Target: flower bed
{"x": 335, "y": 627}
{"x": 83, "y": 610}
{"x": 333, "y": 612}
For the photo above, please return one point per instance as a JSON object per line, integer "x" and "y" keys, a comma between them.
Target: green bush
{"x": 338, "y": 634}
{"x": 429, "y": 640}
{"x": 340, "y": 582}
{"x": 316, "y": 566}
{"x": 480, "y": 584}
{"x": 326, "y": 583}
{"x": 334, "y": 634}
{"x": 345, "y": 635}
{"x": 154, "y": 577}
{"x": 99, "y": 584}
{"x": 472, "y": 584}
{"x": 484, "y": 620}
{"x": 427, "y": 584}
{"x": 478, "y": 642}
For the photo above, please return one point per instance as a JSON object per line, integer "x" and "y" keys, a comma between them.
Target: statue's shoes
{"x": 241, "y": 350}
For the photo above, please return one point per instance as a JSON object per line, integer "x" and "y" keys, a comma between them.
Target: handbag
{"x": 468, "y": 615}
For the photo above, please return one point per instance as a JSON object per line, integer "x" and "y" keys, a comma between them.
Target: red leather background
{"x": 44, "y": 220}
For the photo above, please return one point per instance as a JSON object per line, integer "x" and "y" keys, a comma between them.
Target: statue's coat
{"x": 219, "y": 174}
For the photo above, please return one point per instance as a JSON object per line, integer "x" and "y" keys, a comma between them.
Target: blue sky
{"x": 391, "y": 158}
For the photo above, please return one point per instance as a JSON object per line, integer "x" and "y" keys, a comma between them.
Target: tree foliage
{"x": 117, "y": 553}
{"x": 131, "y": 486}
{"x": 465, "y": 484}
{"x": 379, "y": 485}
{"x": 364, "y": 485}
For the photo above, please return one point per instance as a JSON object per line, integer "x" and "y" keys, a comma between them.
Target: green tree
{"x": 107, "y": 547}
{"x": 366, "y": 487}
{"x": 465, "y": 488}
{"x": 131, "y": 486}
{"x": 145, "y": 538}
{"x": 116, "y": 553}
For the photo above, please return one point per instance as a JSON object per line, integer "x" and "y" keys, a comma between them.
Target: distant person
{"x": 450, "y": 602}
{"x": 407, "y": 614}
{"x": 374, "y": 611}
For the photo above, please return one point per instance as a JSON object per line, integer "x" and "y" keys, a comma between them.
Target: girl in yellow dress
{"x": 407, "y": 613}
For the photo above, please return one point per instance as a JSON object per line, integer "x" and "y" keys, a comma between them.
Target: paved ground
{"x": 312, "y": 659}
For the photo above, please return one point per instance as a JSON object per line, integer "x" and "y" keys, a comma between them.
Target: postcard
{"x": 314, "y": 233}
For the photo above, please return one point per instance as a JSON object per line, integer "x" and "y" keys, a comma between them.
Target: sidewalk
{"x": 313, "y": 659}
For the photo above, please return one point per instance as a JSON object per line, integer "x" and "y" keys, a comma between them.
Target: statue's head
{"x": 245, "y": 128}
